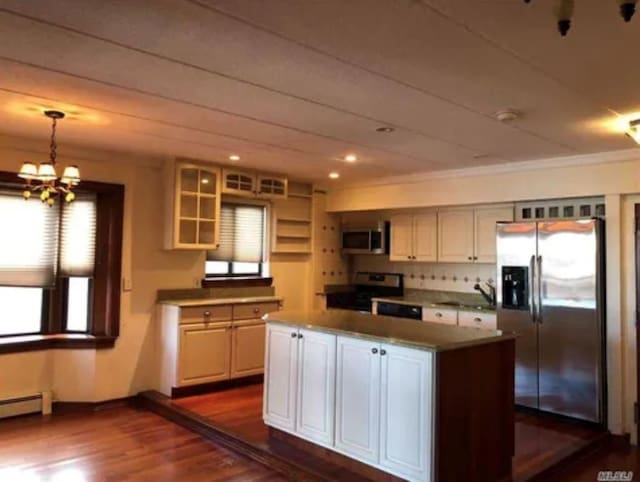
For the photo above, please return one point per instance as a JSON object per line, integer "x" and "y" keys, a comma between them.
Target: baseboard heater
{"x": 35, "y": 403}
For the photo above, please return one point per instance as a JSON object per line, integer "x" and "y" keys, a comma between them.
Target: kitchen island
{"x": 421, "y": 401}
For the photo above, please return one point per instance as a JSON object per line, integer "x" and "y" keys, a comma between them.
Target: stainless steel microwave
{"x": 366, "y": 239}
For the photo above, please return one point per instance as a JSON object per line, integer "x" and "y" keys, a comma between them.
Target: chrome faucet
{"x": 490, "y": 296}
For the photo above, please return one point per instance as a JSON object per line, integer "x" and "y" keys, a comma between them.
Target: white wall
{"x": 575, "y": 177}
{"x": 89, "y": 375}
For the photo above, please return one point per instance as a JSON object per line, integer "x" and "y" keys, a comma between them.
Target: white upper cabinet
{"x": 316, "y": 386}
{"x": 193, "y": 207}
{"x": 414, "y": 237}
{"x": 272, "y": 186}
{"x": 485, "y": 232}
{"x": 281, "y": 374}
{"x": 239, "y": 183}
{"x": 401, "y": 248}
{"x": 455, "y": 236}
{"x": 406, "y": 416}
{"x": 251, "y": 184}
{"x": 358, "y": 398}
{"x": 469, "y": 235}
{"x": 425, "y": 237}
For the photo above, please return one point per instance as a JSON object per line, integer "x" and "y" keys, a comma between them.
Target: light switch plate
{"x": 127, "y": 284}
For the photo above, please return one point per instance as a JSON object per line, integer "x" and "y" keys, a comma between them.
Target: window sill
{"x": 236, "y": 282}
{"x": 22, "y": 343}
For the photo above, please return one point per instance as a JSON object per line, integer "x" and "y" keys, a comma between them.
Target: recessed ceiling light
{"x": 334, "y": 175}
{"x": 385, "y": 129}
{"x": 351, "y": 158}
{"x": 507, "y": 115}
{"x": 234, "y": 157}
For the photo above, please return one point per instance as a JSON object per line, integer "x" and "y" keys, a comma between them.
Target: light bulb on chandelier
{"x": 43, "y": 178}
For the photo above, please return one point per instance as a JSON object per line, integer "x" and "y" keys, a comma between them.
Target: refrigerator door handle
{"x": 539, "y": 301}
{"x": 532, "y": 300}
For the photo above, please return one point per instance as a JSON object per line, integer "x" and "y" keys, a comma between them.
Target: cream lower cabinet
{"x": 247, "y": 348}
{"x": 300, "y": 382}
{"x": 203, "y": 344}
{"x": 204, "y": 350}
{"x": 378, "y": 397}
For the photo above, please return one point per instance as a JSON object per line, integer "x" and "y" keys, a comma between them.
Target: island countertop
{"x": 387, "y": 329}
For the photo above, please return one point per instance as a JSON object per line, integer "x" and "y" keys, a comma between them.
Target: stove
{"x": 366, "y": 286}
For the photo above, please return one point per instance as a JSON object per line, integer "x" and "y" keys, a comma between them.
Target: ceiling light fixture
{"x": 634, "y": 130}
{"x": 234, "y": 157}
{"x": 43, "y": 178}
{"x": 564, "y": 12}
{"x": 507, "y": 115}
{"x": 351, "y": 158}
{"x": 385, "y": 129}
{"x": 334, "y": 175}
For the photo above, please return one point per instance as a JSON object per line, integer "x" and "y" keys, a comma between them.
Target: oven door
{"x": 354, "y": 242}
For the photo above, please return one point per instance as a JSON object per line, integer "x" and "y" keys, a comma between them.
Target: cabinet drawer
{"x": 254, "y": 310}
{"x": 437, "y": 315}
{"x": 198, "y": 314}
{"x": 477, "y": 320}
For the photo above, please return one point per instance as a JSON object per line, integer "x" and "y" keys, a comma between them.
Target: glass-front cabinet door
{"x": 272, "y": 186}
{"x": 197, "y": 207}
{"x": 238, "y": 182}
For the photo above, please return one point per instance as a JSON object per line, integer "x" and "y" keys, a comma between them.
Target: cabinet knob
{"x": 299, "y": 335}
{"x": 477, "y": 320}
{"x": 383, "y": 352}
{"x": 470, "y": 258}
{"x": 408, "y": 257}
{"x": 374, "y": 350}
{"x": 293, "y": 335}
{"x": 256, "y": 310}
{"x": 475, "y": 258}
{"x": 438, "y": 315}
{"x": 207, "y": 314}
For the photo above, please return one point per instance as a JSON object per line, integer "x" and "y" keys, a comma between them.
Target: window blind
{"x": 241, "y": 234}
{"x": 78, "y": 237}
{"x": 28, "y": 242}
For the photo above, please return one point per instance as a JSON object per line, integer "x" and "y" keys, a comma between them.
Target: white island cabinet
{"x": 378, "y": 397}
{"x": 422, "y": 401}
{"x": 300, "y": 382}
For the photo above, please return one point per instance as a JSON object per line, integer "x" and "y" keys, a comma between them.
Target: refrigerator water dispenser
{"x": 515, "y": 289}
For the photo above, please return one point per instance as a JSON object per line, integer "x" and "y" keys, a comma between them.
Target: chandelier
{"x": 564, "y": 12}
{"x": 43, "y": 179}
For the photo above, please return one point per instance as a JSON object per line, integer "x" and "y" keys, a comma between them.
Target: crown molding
{"x": 538, "y": 164}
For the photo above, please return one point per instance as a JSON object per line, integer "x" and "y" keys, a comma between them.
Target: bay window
{"x": 60, "y": 268}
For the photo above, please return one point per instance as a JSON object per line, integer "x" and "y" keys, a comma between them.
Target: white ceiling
{"x": 294, "y": 85}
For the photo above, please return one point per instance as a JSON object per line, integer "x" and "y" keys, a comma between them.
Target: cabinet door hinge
{"x": 635, "y": 412}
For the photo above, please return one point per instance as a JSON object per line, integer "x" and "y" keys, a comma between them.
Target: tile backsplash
{"x": 429, "y": 276}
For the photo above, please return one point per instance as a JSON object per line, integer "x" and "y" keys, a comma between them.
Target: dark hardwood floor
{"x": 541, "y": 442}
{"x": 120, "y": 444}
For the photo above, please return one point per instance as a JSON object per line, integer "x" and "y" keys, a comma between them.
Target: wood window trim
{"x": 104, "y": 319}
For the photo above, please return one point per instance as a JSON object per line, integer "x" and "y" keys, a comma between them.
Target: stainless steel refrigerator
{"x": 550, "y": 291}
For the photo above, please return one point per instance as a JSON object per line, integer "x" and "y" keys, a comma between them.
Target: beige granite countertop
{"x": 220, "y": 301}
{"x": 386, "y": 329}
{"x": 438, "y": 299}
